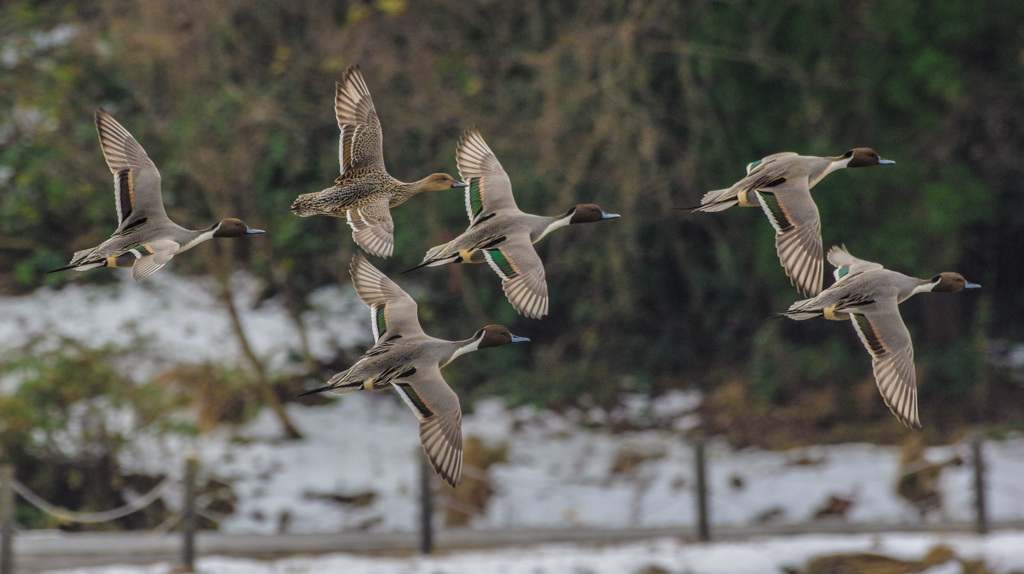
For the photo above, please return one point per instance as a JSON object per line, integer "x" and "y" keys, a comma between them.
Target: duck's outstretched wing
{"x": 794, "y": 215}
{"x": 847, "y": 265}
{"x": 489, "y": 188}
{"x": 372, "y": 227}
{"x": 522, "y": 274}
{"x": 436, "y": 406}
{"x": 137, "y": 193}
{"x": 152, "y": 256}
{"x": 888, "y": 341}
{"x": 392, "y": 310}
{"x": 360, "y": 145}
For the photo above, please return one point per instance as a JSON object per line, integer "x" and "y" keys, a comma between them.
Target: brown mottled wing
{"x": 436, "y": 406}
{"x": 794, "y": 216}
{"x": 522, "y": 274}
{"x": 372, "y": 227}
{"x": 136, "y": 180}
{"x": 489, "y": 187}
{"x": 392, "y": 310}
{"x": 888, "y": 341}
{"x": 360, "y": 143}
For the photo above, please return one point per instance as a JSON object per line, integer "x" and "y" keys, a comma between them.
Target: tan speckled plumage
{"x": 364, "y": 193}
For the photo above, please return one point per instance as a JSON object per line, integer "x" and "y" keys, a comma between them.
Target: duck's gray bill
{"x": 518, "y": 339}
{"x": 972, "y": 286}
{"x": 885, "y": 161}
{"x": 460, "y": 184}
{"x": 609, "y": 215}
{"x": 250, "y": 230}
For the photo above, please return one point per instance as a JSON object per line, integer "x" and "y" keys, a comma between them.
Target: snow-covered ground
{"x": 357, "y": 468}
{"x": 182, "y": 318}
{"x": 559, "y": 475}
{"x": 1002, "y": 553}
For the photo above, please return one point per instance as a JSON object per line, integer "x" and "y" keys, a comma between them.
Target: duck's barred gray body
{"x": 410, "y": 361}
{"x": 364, "y": 193}
{"x": 145, "y": 238}
{"x": 781, "y": 185}
{"x": 870, "y": 295}
{"x": 499, "y": 233}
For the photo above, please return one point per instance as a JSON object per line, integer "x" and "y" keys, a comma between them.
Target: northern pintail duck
{"x": 499, "y": 233}
{"x": 870, "y": 294}
{"x": 410, "y": 361}
{"x": 364, "y": 193}
{"x": 782, "y": 184}
{"x": 145, "y": 239}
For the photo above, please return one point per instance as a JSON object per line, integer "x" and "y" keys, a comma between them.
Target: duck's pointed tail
{"x": 425, "y": 263}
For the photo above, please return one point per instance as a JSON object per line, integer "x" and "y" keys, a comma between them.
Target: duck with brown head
{"x": 497, "y": 336}
{"x": 145, "y": 239}
{"x": 364, "y": 193}
{"x": 499, "y": 233}
{"x": 588, "y": 213}
{"x": 232, "y": 227}
{"x": 410, "y": 361}
{"x": 863, "y": 157}
{"x": 869, "y": 295}
{"x": 950, "y": 282}
{"x": 780, "y": 184}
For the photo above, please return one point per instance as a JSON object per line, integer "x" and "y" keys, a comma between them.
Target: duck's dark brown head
{"x": 232, "y": 227}
{"x": 588, "y": 213}
{"x": 950, "y": 282}
{"x": 864, "y": 157}
{"x": 496, "y": 336}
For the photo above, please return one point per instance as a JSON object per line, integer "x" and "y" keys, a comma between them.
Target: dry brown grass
{"x": 472, "y": 495}
{"x": 865, "y": 563}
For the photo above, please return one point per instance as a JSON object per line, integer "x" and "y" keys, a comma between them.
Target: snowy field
{"x": 555, "y": 473}
{"x": 1002, "y": 553}
{"x": 559, "y": 475}
{"x": 182, "y": 318}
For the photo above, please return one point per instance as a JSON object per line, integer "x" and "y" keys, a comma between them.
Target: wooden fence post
{"x": 189, "y": 522}
{"x": 701, "y": 490}
{"x": 426, "y": 504}
{"x": 980, "y": 502}
{"x": 6, "y": 519}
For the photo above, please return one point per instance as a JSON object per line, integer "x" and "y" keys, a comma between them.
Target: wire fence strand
{"x": 94, "y": 517}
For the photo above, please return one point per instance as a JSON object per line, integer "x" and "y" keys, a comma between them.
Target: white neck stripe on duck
{"x": 467, "y": 348}
{"x": 835, "y": 165}
{"x": 202, "y": 237}
{"x": 925, "y": 287}
{"x": 558, "y": 223}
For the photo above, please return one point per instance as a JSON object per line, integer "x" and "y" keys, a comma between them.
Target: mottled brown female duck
{"x": 364, "y": 193}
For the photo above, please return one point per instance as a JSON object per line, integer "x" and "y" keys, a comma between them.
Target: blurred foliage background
{"x": 638, "y": 106}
